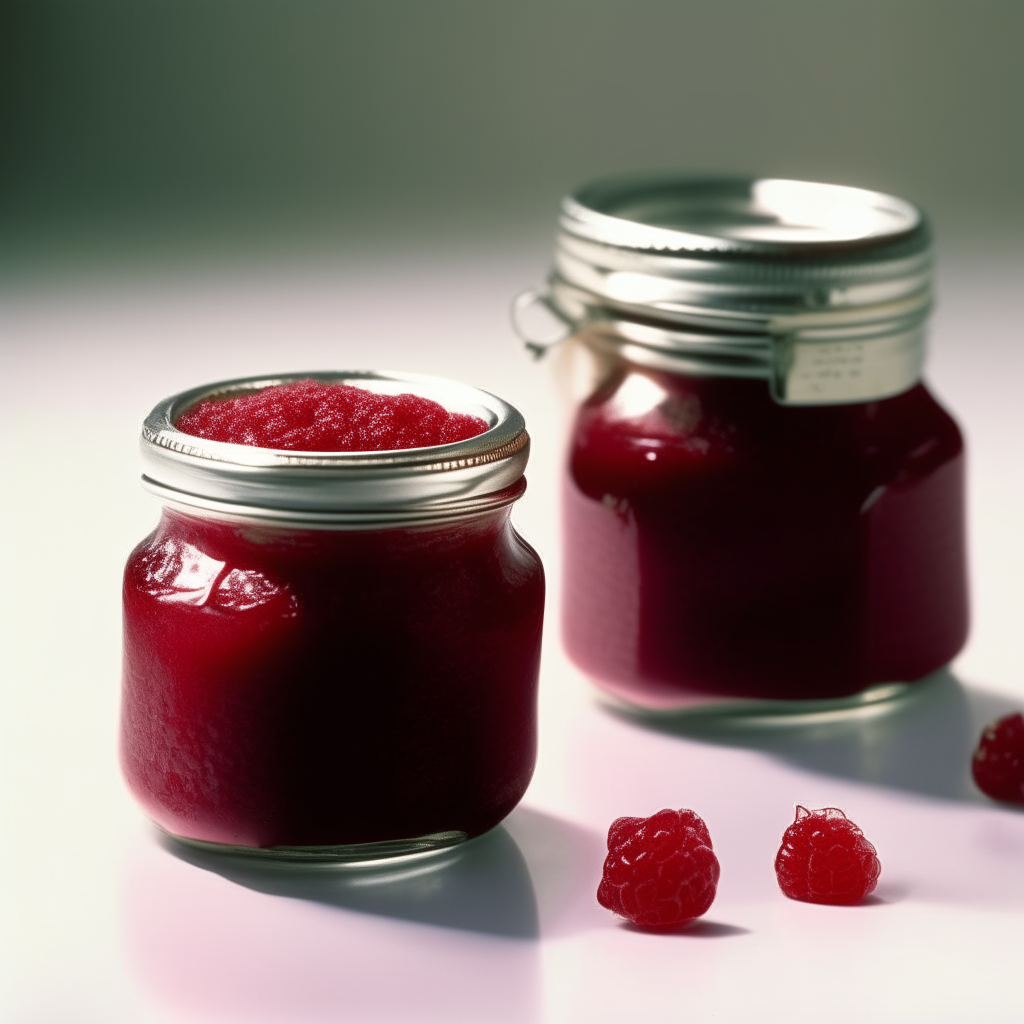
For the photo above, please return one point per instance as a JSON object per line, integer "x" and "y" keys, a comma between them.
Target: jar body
{"x": 320, "y": 687}
{"x": 719, "y": 545}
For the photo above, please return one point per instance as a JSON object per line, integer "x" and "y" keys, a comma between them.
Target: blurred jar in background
{"x": 762, "y": 501}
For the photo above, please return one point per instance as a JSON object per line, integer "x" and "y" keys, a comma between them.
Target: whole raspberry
{"x": 998, "y": 763}
{"x": 824, "y": 858}
{"x": 660, "y": 871}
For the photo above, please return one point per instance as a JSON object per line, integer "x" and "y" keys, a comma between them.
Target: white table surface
{"x": 107, "y": 926}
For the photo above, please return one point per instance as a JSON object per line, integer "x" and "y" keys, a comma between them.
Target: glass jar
{"x": 762, "y": 501}
{"x": 332, "y": 655}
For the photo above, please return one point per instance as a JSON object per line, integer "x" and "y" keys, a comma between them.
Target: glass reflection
{"x": 177, "y": 572}
{"x": 920, "y": 742}
{"x": 480, "y": 886}
{"x": 444, "y": 938}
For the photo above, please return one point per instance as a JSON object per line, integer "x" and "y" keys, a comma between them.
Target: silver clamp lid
{"x": 339, "y": 489}
{"x": 822, "y": 289}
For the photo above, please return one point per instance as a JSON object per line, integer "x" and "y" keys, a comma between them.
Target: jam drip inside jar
{"x": 719, "y": 543}
{"x": 317, "y": 416}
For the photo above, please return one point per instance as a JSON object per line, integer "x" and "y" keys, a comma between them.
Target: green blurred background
{"x": 246, "y": 125}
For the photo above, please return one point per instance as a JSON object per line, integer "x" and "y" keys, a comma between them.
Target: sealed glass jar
{"x": 332, "y": 655}
{"x": 762, "y": 501}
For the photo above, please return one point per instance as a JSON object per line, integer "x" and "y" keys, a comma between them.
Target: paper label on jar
{"x": 825, "y": 372}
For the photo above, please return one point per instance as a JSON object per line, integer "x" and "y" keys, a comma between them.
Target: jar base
{"x": 353, "y": 853}
{"x": 738, "y": 709}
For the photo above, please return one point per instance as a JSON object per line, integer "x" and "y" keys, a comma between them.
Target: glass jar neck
{"x": 440, "y": 514}
{"x": 264, "y": 533}
{"x": 811, "y": 365}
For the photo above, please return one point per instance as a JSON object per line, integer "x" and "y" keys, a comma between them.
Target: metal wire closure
{"x": 338, "y": 490}
{"x": 823, "y": 290}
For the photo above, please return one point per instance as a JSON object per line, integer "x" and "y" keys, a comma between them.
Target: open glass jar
{"x": 762, "y": 502}
{"x": 332, "y": 655}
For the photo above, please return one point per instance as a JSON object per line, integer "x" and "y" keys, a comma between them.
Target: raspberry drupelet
{"x": 660, "y": 871}
{"x": 824, "y": 858}
{"x": 998, "y": 762}
{"x": 318, "y": 416}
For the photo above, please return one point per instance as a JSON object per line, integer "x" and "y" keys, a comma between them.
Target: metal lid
{"x": 339, "y": 489}
{"x": 823, "y": 289}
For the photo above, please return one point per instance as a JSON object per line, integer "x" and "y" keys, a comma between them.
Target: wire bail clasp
{"x": 533, "y": 336}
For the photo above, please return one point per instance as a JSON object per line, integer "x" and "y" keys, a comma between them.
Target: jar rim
{"x": 735, "y": 254}
{"x": 324, "y": 487}
{"x": 822, "y": 289}
{"x": 716, "y": 214}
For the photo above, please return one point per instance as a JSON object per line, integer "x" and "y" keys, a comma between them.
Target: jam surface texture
{"x": 720, "y": 544}
{"x": 313, "y": 416}
{"x": 289, "y": 687}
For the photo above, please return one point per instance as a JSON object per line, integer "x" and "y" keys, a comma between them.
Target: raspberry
{"x": 660, "y": 871}
{"x": 824, "y": 858}
{"x": 998, "y": 763}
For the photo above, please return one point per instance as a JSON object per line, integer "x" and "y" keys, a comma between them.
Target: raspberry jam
{"x": 762, "y": 501}
{"x": 319, "y": 416}
{"x": 334, "y": 650}
{"x": 721, "y": 543}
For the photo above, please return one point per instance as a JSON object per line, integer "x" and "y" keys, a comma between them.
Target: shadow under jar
{"x": 762, "y": 502}
{"x": 332, "y": 655}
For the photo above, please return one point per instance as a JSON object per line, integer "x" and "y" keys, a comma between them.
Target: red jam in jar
{"x": 332, "y": 654}
{"x": 321, "y": 416}
{"x": 762, "y": 501}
